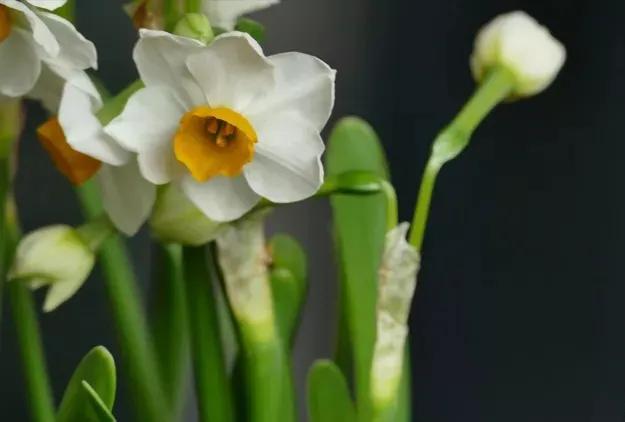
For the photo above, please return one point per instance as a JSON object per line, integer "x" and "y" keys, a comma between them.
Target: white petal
{"x": 41, "y": 34}
{"x": 287, "y": 162}
{"x": 224, "y": 13}
{"x": 83, "y": 130}
{"x": 232, "y": 71}
{"x": 52, "y": 80}
{"x": 19, "y": 63}
{"x": 76, "y": 51}
{"x": 126, "y": 195}
{"x": 60, "y": 292}
{"x": 47, "y": 4}
{"x": 161, "y": 60}
{"x": 304, "y": 84}
{"x": 221, "y": 198}
{"x": 147, "y": 126}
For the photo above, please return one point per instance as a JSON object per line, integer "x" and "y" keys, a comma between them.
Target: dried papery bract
{"x": 397, "y": 281}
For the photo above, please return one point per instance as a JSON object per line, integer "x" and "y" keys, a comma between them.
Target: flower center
{"x": 5, "y": 22}
{"x": 74, "y": 165}
{"x": 214, "y": 141}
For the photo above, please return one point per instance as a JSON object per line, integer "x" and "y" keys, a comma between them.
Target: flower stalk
{"x": 135, "y": 343}
{"x": 497, "y": 85}
{"x": 211, "y": 379}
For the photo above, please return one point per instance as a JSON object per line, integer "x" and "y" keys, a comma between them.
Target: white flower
{"x": 396, "y": 285}
{"x": 516, "y": 41}
{"x": 225, "y": 122}
{"x": 54, "y": 256}
{"x": 81, "y": 149}
{"x": 224, "y": 13}
{"x": 31, "y": 39}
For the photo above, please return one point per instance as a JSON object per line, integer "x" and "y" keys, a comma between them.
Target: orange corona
{"x": 214, "y": 142}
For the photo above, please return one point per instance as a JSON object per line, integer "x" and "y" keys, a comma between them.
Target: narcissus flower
{"x": 225, "y": 122}
{"x": 80, "y": 149}
{"x": 224, "y": 13}
{"x": 31, "y": 40}
{"x": 55, "y": 256}
{"x": 520, "y": 44}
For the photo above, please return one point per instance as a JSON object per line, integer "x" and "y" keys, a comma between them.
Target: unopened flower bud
{"x": 196, "y": 26}
{"x": 176, "y": 219}
{"x": 517, "y": 42}
{"x": 60, "y": 257}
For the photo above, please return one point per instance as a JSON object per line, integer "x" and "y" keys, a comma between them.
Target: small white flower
{"x": 224, "y": 13}
{"x": 225, "y": 122}
{"x": 516, "y": 41}
{"x": 396, "y": 285}
{"x": 81, "y": 149}
{"x": 54, "y": 256}
{"x": 31, "y": 39}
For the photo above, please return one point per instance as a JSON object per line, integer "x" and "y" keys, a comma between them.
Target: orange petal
{"x": 76, "y": 166}
{"x": 5, "y": 22}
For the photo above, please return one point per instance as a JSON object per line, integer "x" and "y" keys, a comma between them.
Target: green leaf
{"x": 97, "y": 369}
{"x": 288, "y": 283}
{"x": 360, "y": 225}
{"x": 99, "y": 407}
{"x": 289, "y": 286}
{"x": 252, "y": 27}
{"x": 328, "y": 394}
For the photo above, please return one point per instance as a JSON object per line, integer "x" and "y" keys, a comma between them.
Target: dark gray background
{"x": 519, "y": 315}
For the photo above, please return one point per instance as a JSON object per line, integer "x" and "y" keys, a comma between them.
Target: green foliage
{"x": 360, "y": 225}
{"x": 328, "y": 394}
{"x": 252, "y": 27}
{"x": 288, "y": 283}
{"x": 90, "y": 393}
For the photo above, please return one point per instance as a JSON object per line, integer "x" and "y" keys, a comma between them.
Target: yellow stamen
{"x": 74, "y": 165}
{"x": 214, "y": 141}
{"x": 5, "y": 22}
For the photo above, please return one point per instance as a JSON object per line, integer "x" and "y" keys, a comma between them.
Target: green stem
{"x": 193, "y": 6}
{"x": 263, "y": 366}
{"x": 171, "y": 13}
{"x": 41, "y": 404}
{"x": 169, "y": 322}
{"x": 135, "y": 343}
{"x": 454, "y": 138}
{"x": 211, "y": 379}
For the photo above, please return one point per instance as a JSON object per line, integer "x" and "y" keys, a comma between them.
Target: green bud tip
{"x": 196, "y": 26}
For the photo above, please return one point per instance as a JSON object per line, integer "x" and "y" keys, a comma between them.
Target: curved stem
{"x": 454, "y": 138}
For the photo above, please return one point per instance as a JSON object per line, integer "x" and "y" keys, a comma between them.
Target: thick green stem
{"x": 171, "y": 13}
{"x": 41, "y": 403}
{"x": 193, "y": 6}
{"x": 211, "y": 379}
{"x": 454, "y": 138}
{"x": 263, "y": 367}
{"x": 169, "y": 322}
{"x": 136, "y": 346}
